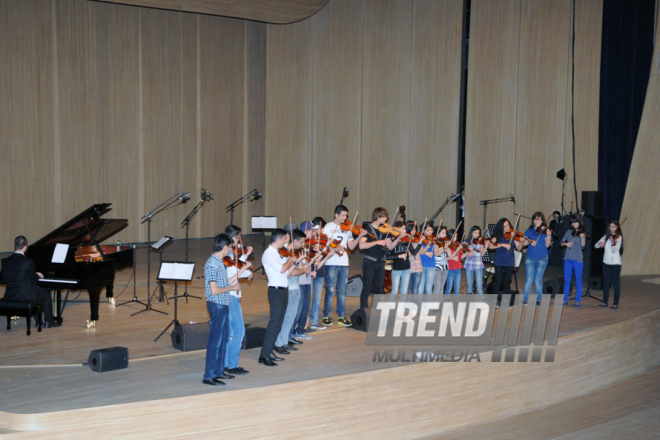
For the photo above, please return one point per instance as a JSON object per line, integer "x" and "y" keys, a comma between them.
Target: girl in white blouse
{"x": 612, "y": 241}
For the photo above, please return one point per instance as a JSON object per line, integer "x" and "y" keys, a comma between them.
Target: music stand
{"x": 159, "y": 246}
{"x": 175, "y": 271}
{"x": 263, "y": 223}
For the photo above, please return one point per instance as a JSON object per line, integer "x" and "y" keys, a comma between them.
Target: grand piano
{"x": 88, "y": 265}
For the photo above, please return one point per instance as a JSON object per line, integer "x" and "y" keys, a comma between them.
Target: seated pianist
{"x": 20, "y": 275}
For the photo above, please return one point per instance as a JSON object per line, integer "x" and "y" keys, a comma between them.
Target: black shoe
{"x": 237, "y": 371}
{"x": 272, "y": 357}
{"x": 538, "y": 304}
{"x": 267, "y": 362}
{"x": 497, "y": 305}
{"x": 224, "y": 376}
{"x": 213, "y": 382}
{"x": 294, "y": 341}
{"x": 291, "y": 347}
{"x": 602, "y": 306}
{"x": 53, "y": 324}
{"x": 614, "y": 307}
{"x": 281, "y": 350}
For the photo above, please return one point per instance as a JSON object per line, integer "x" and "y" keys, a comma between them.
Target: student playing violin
{"x": 454, "y": 257}
{"x": 538, "y": 239}
{"x": 416, "y": 271}
{"x": 474, "y": 263}
{"x": 505, "y": 258}
{"x": 440, "y": 260}
{"x": 375, "y": 244}
{"x": 574, "y": 240}
{"x": 613, "y": 244}
{"x": 401, "y": 264}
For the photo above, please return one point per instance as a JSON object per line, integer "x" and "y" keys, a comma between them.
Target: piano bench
{"x": 23, "y": 308}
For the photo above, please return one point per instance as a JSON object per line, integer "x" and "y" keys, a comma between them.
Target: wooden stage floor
{"x": 43, "y": 372}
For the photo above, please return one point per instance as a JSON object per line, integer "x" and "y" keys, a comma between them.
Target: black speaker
{"x": 592, "y": 203}
{"x": 254, "y": 337}
{"x": 354, "y": 286}
{"x": 596, "y": 283}
{"x": 360, "y": 319}
{"x": 187, "y": 337}
{"x": 108, "y": 359}
{"x": 553, "y": 286}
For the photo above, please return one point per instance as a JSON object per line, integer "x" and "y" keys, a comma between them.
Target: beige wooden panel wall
{"x": 642, "y": 200}
{"x": 113, "y": 103}
{"x": 436, "y": 72}
{"x": 490, "y": 138}
{"x": 382, "y": 106}
{"x": 519, "y": 91}
{"x": 27, "y": 173}
{"x": 337, "y": 107}
{"x": 288, "y": 122}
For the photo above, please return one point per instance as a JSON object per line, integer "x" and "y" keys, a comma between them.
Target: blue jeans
{"x": 576, "y": 267}
{"x": 475, "y": 275}
{"x": 428, "y": 278}
{"x": 218, "y": 336}
{"x": 453, "y": 280}
{"x": 289, "y": 317}
{"x": 236, "y": 333}
{"x": 415, "y": 280}
{"x": 303, "y": 309}
{"x": 336, "y": 278}
{"x": 317, "y": 292}
{"x": 534, "y": 270}
{"x": 400, "y": 277}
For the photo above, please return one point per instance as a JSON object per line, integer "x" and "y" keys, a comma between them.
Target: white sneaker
{"x": 303, "y": 336}
{"x": 318, "y": 326}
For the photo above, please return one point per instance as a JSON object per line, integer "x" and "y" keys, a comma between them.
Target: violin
{"x": 518, "y": 236}
{"x": 286, "y": 253}
{"x": 416, "y": 238}
{"x": 543, "y": 229}
{"x": 581, "y": 230}
{"x": 229, "y": 262}
{"x": 479, "y": 241}
{"x": 357, "y": 230}
{"x": 333, "y": 244}
{"x": 385, "y": 228}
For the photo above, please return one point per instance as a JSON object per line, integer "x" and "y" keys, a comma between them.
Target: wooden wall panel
{"x": 222, "y": 76}
{"x": 385, "y": 157}
{"x": 27, "y": 172}
{"x": 491, "y": 107}
{"x": 642, "y": 200}
{"x": 337, "y": 106}
{"x": 97, "y": 64}
{"x": 288, "y": 122}
{"x": 543, "y": 82}
{"x": 254, "y": 150}
{"x": 588, "y": 30}
{"x": 169, "y": 92}
{"x": 436, "y": 67}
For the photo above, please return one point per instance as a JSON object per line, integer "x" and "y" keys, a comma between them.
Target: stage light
{"x": 561, "y": 174}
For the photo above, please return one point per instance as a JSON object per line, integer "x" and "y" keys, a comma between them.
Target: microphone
{"x": 256, "y": 195}
{"x": 513, "y": 199}
{"x": 185, "y": 196}
{"x": 206, "y": 195}
{"x": 454, "y": 197}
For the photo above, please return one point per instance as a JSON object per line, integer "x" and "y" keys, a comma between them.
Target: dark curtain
{"x": 626, "y": 56}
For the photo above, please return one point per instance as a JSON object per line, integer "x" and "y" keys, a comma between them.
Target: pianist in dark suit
{"x": 21, "y": 277}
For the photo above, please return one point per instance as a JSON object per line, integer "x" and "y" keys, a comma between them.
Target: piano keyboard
{"x": 58, "y": 281}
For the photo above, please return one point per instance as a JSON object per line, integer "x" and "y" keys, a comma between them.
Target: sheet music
{"x": 59, "y": 255}
{"x": 157, "y": 245}
{"x": 262, "y": 222}
{"x": 176, "y": 271}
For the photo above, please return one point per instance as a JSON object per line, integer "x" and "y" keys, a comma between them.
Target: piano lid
{"x": 74, "y": 232}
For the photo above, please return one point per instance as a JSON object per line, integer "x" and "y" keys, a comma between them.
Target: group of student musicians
{"x": 424, "y": 259}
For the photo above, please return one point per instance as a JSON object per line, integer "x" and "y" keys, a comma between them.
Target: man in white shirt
{"x": 277, "y": 270}
{"x": 336, "y": 268}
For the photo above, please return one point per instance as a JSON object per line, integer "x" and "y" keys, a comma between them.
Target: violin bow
{"x": 390, "y": 229}
{"x": 413, "y": 228}
{"x": 513, "y": 233}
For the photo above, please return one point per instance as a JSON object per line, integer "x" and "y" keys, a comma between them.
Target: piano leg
{"x": 109, "y": 293}
{"x": 94, "y": 299}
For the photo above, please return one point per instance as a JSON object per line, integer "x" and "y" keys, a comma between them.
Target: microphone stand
{"x": 437, "y": 213}
{"x": 508, "y": 198}
{"x": 249, "y": 196}
{"x": 186, "y": 222}
{"x": 148, "y": 216}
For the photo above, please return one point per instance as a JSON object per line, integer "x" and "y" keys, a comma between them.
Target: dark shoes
{"x": 267, "y": 362}
{"x": 53, "y": 324}
{"x": 294, "y": 341}
{"x": 223, "y": 376}
{"x": 213, "y": 382}
{"x": 614, "y": 307}
{"x": 272, "y": 357}
{"x": 290, "y": 347}
{"x": 281, "y": 350}
{"x": 602, "y": 306}
{"x": 236, "y": 371}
